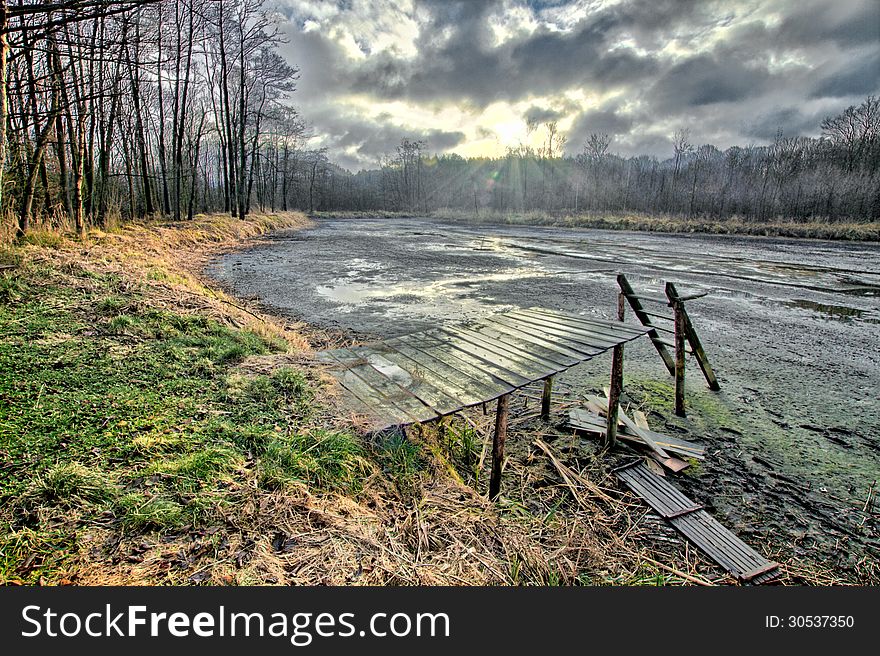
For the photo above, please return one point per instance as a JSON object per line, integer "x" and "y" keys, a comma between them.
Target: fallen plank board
{"x": 698, "y": 526}
{"x": 580, "y": 419}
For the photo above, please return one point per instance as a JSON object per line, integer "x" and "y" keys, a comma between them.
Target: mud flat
{"x": 792, "y": 329}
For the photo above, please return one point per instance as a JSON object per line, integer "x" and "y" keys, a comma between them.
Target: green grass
{"x": 118, "y": 413}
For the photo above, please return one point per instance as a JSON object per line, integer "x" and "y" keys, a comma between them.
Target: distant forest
{"x": 117, "y": 110}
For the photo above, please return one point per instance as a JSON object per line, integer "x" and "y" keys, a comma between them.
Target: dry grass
{"x": 416, "y": 516}
{"x": 776, "y": 227}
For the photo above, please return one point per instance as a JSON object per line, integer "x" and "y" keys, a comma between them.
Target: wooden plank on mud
{"x": 698, "y": 526}
{"x": 584, "y": 420}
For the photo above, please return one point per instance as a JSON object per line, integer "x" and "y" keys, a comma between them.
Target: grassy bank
{"x": 868, "y": 231}
{"x": 154, "y": 430}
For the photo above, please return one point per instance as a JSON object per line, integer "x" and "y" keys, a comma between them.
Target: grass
{"x": 118, "y": 411}
{"x": 155, "y": 431}
{"x": 777, "y": 227}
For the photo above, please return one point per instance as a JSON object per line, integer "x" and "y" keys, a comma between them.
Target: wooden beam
{"x": 639, "y": 311}
{"x": 678, "y": 307}
{"x": 691, "y": 334}
{"x": 498, "y": 445}
{"x": 545, "y": 398}
{"x": 616, "y": 381}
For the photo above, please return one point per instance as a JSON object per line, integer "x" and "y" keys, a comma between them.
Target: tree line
{"x": 122, "y": 109}
{"x": 834, "y": 177}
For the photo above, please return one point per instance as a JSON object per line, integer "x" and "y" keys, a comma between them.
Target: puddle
{"x": 835, "y": 312}
{"x": 446, "y": 291}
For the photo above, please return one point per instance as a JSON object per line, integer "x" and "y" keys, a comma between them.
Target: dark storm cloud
{"x": 541, "y": 115}
{"x": 704, "y": 80}
{"x": 737, "y": 71}
{"x": 857, "y": 78}
{"x": 608, "y": 120}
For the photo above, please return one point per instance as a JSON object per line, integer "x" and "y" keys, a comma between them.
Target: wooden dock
{"x": 424, "y": 376}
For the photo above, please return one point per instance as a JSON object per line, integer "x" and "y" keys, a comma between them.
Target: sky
{"x": 468, "y": 76}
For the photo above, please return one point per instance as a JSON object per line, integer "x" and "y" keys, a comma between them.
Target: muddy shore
{"x": 792, "y": 329}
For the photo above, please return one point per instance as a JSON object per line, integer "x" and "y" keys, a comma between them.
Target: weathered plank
{"x": 558, "y": 354}
{"x": 534, "y": 364}
{"x": 591, "y": 333}
{"x": 477, "y": 357}
{"x": 370, "y": 396}
{"x": 692, "y": 521}
{"x": 581, "y": 419}
{"x": 645, "y": 320}
{"x": 418, "y": 382}
{"x": 393, "y": 392}
{"x": 452, "y": 381}
{"x": 602, "y": 342}
{"x": 615, "y": 327}
{"x": 519, "y": 330}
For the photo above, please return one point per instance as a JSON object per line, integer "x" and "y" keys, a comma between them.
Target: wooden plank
{"x": 520, "y": 331}
{"x": 511, "y": 350}
{"x": 526, "y": 323}
{"x": 479, "y": 377}
{"x": 538, "y": 368}
{"x": 597, "y": 322}
{"x": 697, "y": 525}
{"x": 599, "y": 335}
{"x": 469, "y": 366}
{"x": 399, "y": 396}
{"x": 480, "y": 358}
{"x": 419, "y": 384}
{"x": 371, "y": 397}
{"x": 603, "y": 403}
{"x": 639, "y": 311}
{"x": 559, "y": 354}
{"x": 451, "y": 381}
{"x": 696, "y": 344}
{"x": 585, "y": 420}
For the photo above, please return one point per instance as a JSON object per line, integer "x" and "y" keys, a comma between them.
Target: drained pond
{"x": 792, "y": 329}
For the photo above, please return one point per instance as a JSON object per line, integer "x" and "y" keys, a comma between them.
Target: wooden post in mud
{"x": 691, "y": 335}
{"x": 678, "y": 309}
{"x": 545, "y": 398}
{"x": 498, "y": 446}
{"x": 616, "y": 381}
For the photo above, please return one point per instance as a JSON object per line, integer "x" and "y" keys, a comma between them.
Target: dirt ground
{"x": 791, "y": 327}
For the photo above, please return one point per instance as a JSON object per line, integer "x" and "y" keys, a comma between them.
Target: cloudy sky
{"x": 468, "y": 75}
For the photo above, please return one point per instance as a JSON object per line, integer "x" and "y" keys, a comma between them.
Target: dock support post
{"x": 498, "y": 446}
{"x": 679, "y": 357}
{"x": 545, "y": 398}
{"x": 616, "y": 382}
